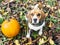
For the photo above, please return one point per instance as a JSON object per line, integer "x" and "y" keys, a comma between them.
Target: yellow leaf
{"x": 29, "y": 43}
{"x": 2, "y": 11}
{"x": 5, "y": 13}
{"x": 59, "y": 10}
{"x": 16, "y": 42}
{"x": 21, "y": 13}
{"x": 51, "y": 41}
{"x": 44, "y": 37}
{"x": 48, "y": 6}
{"x": 9, "y": 38}
{"x": 11, "y": 0}
{"x": 50, "y": 24}
{"x": 41, "y": 41}
{"x": 11, "y": 44}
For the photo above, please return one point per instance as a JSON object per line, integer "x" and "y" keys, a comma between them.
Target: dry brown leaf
{"x": 51, "y": 24}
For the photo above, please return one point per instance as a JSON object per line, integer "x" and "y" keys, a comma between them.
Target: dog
{"x": 36, "y": 20}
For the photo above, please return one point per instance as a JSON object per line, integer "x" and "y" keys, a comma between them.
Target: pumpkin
{"x": 10, "y": 28}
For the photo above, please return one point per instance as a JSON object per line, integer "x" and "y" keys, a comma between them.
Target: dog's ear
{"x": 43, "y": 15}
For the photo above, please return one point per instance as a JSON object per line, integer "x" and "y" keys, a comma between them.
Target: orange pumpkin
{"x": 10, "y": 28}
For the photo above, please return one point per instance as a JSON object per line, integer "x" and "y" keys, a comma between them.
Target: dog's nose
{"x": 35, "y": 20}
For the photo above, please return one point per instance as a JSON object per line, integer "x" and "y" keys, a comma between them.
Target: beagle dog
{"x": 36, "y": 20}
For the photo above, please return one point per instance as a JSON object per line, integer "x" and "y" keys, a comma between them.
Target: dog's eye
{"x": 38, "y": 14}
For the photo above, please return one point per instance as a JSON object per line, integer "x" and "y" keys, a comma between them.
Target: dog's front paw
{"x": 40, "y": 33}
{"x": 28, "y": 36}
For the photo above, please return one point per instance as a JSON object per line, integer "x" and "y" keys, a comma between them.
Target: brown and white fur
{"x": 33, "y": 17}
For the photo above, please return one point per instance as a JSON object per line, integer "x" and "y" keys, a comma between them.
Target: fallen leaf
{"x": 41, "y": 41}
{"x": 16, "y": 42}
{"x": 51, "y": 41}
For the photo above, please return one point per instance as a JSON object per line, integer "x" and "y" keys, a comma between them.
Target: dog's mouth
{"x": 34, "y": 23}
{"x": 35, "y": 20}
{"x": 38, "y": 24}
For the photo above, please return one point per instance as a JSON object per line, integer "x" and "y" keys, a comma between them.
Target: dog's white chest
{"x": 36, "y": 27}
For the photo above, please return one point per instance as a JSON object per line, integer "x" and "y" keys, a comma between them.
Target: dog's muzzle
{"x": 35, "y": 20}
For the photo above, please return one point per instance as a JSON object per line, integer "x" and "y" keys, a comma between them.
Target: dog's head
{"x": 35, "y": 15}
